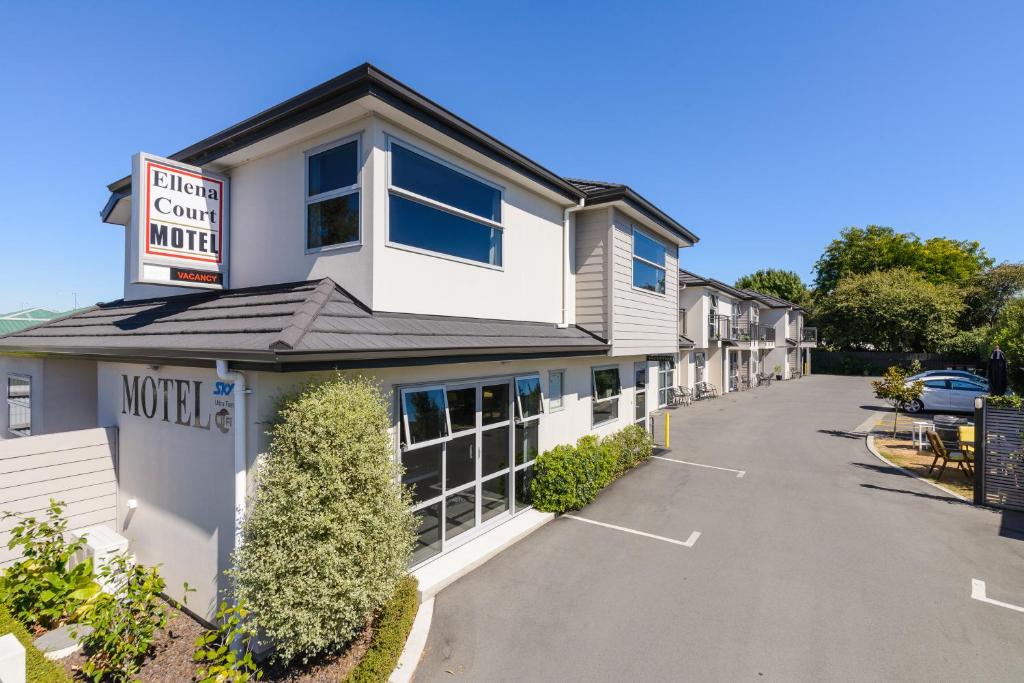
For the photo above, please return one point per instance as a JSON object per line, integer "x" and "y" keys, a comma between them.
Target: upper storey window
{"x": 648, "y": 263}
{"x": 438, "y": 208}
{"x": 332, "y": 196}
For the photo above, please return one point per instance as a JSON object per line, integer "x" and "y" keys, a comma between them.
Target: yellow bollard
{"x": 668, "y": 420}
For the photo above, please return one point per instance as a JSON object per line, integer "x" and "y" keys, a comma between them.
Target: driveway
{"x": 819, "y": 563}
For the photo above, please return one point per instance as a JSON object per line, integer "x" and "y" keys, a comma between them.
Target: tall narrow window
{"x": 666, "y": 372}
{"x": 438, "y": 208}
{"x": 648, "y": 263}
{"x": 640, "y": 392}
{"x": 556, "y": 384}
{"x": 332, "y": 196}
{"x": 606, "y": 389}
{"x": 19, "y": 405}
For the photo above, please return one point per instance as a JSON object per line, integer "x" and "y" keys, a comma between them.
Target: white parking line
{"x": 978, "y": 593}
{"x": 688, "y": 543}
{"x": 739, "y": 473}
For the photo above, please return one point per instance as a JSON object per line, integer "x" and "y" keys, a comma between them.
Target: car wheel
{"x": 914, "y": 406}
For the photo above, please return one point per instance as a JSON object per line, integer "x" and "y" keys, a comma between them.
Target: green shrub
{"x": 1012, "y": 401}
{"x": 38, "y": 669}
{"x": 223, "y": 663}
{"x": 329, "y": 531}
{"x": 39, "y": 589}
{"x": 124, "y": 622}
{"x": 630, "y": 446}
{"x": 393, "y": 626}
{"x": 569, "y": 477}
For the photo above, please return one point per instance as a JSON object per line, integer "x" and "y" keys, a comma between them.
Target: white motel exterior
{"x": 506, "y": 309}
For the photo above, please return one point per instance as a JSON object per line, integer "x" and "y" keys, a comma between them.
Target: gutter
{"x": 240, "y": 424}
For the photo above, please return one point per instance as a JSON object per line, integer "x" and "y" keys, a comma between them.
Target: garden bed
{"x": 902, "y": 452}
{"x": 370, "y": 656}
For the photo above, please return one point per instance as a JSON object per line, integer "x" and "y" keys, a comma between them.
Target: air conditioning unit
{"x": 102, "y": 544}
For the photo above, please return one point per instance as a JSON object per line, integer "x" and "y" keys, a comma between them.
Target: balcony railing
{"x": 725, "y": 327}
{"x": 762, "y": 333}
{"x": 810, "y": 335}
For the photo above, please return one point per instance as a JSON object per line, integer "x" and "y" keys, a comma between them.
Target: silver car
{"x": 947, "y": 394}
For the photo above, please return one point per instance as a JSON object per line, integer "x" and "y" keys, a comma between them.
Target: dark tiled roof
{"x": 281, "y": 324}
{"x": 773, "y": 301}
{"x": 689, "y": 278}
{"x": 685, "y": 342}
{"x": 600, "y": 192}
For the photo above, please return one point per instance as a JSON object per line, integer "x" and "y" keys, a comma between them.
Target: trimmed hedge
{"x": 38, "y": 669}
{"x": 569, "y": 477}
{"x": 389, "y": 638}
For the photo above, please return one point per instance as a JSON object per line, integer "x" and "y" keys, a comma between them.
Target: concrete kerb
{"x": 869, "y": 440}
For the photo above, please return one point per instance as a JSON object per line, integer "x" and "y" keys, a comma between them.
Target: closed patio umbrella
{"x": 997, "y": 372}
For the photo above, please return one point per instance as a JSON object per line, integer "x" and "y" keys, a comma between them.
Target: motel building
{"x": 357, "y": 227}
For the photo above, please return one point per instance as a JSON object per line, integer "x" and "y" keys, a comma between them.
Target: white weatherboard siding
{"x": 642, "y": 321}
{"x": 591, "y": 271}
{"x": 76, "y": 468}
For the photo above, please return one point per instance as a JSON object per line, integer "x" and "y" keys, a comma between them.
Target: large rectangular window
{"x": 19, "y": 405}
{"x": 332, "y": 196}
{"x": 606, "y": 389}
{"x": 648, "y": 263}
{"x": 438, "y": 208}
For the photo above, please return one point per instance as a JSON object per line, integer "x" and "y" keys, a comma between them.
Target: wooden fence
{"x": 999, "y": 458}
{"x": 78, "y": 468}
{"x": 876, "y": 362}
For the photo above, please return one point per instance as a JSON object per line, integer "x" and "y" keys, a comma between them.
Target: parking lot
{"x": 796, "y": 556}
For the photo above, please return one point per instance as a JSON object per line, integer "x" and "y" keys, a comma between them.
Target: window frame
{"x": 15, "y": 402}
{"x": 519, "y": 405}
{"x": 561, "y": 391}
{"x": 405, "y": 417}
{"x": 594, "y": 400}
{"x": 333, "y": 194}
{"x": 663, "y": 268}
{"x": 392, "y": 189}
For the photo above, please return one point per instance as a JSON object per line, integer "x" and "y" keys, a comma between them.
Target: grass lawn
{"x": 903, "y": 453}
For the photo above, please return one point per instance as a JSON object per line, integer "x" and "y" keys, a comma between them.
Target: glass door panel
{"x": 494, "y": 497}
{"x": 495, "y": 450}
{"x": 460, "y": 461}
{"x": 460, "y": 513}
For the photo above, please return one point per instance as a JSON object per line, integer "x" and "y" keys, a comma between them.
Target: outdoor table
{"x": 920, "y": 427}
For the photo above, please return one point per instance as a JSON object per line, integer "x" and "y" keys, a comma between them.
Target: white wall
{"x": 63, "y": 393}
{"x": 528, "y": 286}
{"x": 181, "y": 476}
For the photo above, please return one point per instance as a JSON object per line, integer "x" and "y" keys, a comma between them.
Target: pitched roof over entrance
{"x": 305, "y": 322}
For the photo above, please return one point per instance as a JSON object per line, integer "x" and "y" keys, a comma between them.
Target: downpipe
{"x": 567, "y": 261}
{"x": 240, "y": 422}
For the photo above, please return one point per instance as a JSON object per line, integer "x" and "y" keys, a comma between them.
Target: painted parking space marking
{"x": 979, "y": 594}
{"x": 739, "y": 473}
{"x": 688, "y": 543}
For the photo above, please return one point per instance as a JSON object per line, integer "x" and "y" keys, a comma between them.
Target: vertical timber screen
{"x": 999, "y": 478}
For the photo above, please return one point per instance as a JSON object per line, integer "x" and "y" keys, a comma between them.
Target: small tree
{"x": 893, "y": 387}
{"x": 329, "y": 531}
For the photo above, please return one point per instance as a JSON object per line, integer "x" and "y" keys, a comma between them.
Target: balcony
{"x": 762, "y": 333}
{"x": 810, "y": 335}
{"x": 723, "y": 327}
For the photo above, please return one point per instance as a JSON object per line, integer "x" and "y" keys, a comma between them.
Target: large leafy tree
{"x": 1008, "y": 332}
{"x": 859, "y": 251}
{"x": 990, "y": 292}
{"x": 895, "y": 310}
{"x": 784, "y": 284}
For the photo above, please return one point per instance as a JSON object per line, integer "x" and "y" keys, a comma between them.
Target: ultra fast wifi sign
{"x": 179, "y": 223}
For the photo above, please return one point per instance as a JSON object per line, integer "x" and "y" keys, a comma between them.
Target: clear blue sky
{"x": 765, "y": 127}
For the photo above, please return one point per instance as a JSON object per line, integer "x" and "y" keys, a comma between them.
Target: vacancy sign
{"x": 179, "y": 224}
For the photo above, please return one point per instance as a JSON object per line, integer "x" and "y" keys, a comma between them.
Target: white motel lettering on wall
{"x": 179, "y": 223}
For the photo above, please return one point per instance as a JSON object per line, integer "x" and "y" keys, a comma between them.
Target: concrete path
{"x": 818, "y": 564}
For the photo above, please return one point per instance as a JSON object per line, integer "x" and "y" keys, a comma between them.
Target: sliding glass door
{"x": 460, "y": 460}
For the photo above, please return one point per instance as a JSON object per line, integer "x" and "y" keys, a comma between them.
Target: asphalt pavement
{"x": 819, "y": 563}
